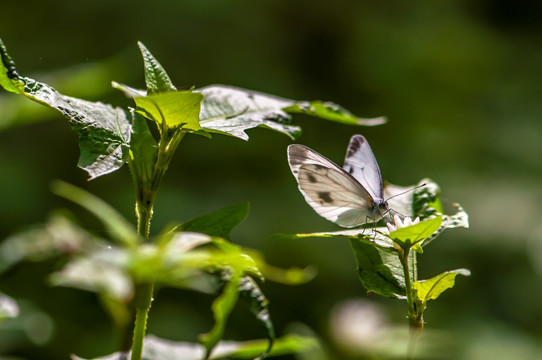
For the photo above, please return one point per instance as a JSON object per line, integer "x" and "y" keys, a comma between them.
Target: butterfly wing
{"x": 360, "y": 162}
{"x": 329, "y": 190}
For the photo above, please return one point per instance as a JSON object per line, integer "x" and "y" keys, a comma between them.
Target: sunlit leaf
{"x": 376, "y": 235}
{"x": 156, "y": 78}
{"x": 290, "y": 276}
{"x": 172, "y": 261}
{"x": 218, "y": 223}
{"x": 178, "y": 109}
{"x": 161, "y": 349}
{"x": 458, "y": 220}
{"x": 333, "y": 112}
{"x": 101, "y": 272}
{"x": 232, "y": 111}
{"x": 409, "y": 236}
{"x": 103, "y": 130}
{"x": 430, "y": 289}
{"x": 286, "y": 345}
{"x": 119, "y": 228}
{"x": 184, "y": 241}
{"x": 424, "y": 202}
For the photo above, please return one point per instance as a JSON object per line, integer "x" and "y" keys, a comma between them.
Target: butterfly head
{"x": 380, "y": 208}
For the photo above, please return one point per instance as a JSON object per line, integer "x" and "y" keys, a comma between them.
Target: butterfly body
{"x": 349, "y": 196}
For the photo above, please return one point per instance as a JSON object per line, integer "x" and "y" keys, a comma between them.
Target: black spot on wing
{"x": 311, "y": 178}
{"x": 354, "y": 145}
{"x": 325, "y": 197}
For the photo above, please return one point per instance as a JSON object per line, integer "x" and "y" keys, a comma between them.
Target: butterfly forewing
{"x": 361, "y": 164}
{"x": 299, "y": 155}
{"x": 334, "y": 194}
{"x": 330, "y": 190}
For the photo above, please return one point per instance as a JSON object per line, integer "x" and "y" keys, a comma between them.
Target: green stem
{"x": 143, "y": 305}
{"x": 415, "y": 315}
{"x": 146, "y": 195}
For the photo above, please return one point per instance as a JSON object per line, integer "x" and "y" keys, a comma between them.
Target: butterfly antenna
{"x": 395, "y": 211}
{"x": 406, "y": 191}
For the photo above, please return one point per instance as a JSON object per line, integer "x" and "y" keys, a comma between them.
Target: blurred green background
{"x": 458, "y": 80}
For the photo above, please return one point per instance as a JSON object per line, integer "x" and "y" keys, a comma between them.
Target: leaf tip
{"x": 141, "y": 46}
{"x": 464, "y": 272}
{"x": 373, "y": 121}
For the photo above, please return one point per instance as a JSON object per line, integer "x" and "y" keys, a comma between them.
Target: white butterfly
{"x": 348, "y": 196}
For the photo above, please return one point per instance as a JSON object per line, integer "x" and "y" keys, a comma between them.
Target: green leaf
{"x": 333, "y": 112}
{"x": 8, "y": 307}
{"x": 424, "y": 202}
{"x": 9, "y": 78}
{"x": 119, "y": 228}
{"x": 374, "y": 235}
{"x": 459, "y": 220}
{"x": 409, "y": 236}
{"x": 104, "y": 134}
{"x": 430, "y": 289}
{"x": 58, "y": 236}
{"x": 286, "y": 345}
{"x": 161, "y": 349}
{"x": 84, "y": 81}
{"x": 426, "y": 199}
{"x": 379, "y": 268}
{"x": 177, "y": 109}
{"x": 231, "y": 111}
{"x": 291, "y": 276}
{"x": 173, "y": 260}
{"x": 102, "y": 272}
{"x": 143, "y": 148}
{"x": 156, "y": 78}
{"x": 222, "y": 307}
{"x": 258, "y": 303}
{"x": 104, "y": 131}
{"x": 218, "y": 223}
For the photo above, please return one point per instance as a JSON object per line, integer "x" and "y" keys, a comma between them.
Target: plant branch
{"x": 146, "y": 195}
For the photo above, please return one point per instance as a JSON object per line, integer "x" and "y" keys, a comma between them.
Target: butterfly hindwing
{"x": 361, "y": 164}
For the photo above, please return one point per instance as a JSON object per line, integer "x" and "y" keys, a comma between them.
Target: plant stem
{"x": 415, "y": 315}
{"x": 143, "y": 305}
{"x": 146, "y": 194}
